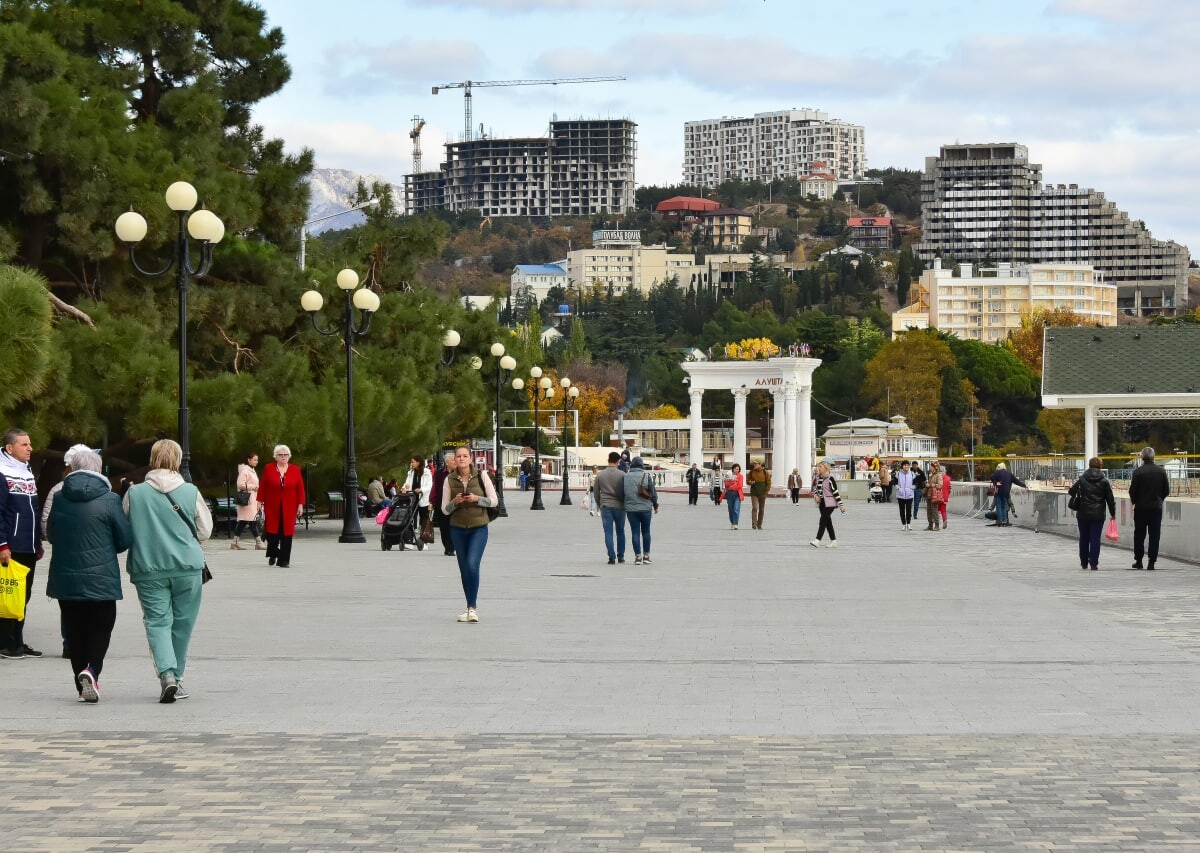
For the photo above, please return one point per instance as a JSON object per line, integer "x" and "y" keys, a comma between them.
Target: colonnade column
{"x": 696, "y": 429}
{"x": 791, "y": 428}
{"x": 1089, "y": 433}
{"x": 778, "y": 439}
{"x": 739, "y": 428}
{"x": 804, "y": 459}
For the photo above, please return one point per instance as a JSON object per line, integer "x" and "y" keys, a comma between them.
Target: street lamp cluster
{"x": 202, "y": 225}
{"x": 205, "y": 227}
{"x": 505, "y": 365}
{"x": 367, "y": 302}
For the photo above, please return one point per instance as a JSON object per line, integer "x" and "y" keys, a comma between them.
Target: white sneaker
{"x": 832, "y": 544}
{"x": 816, "y": 543}
{"x": 472, "y": 616}
{"x": 465, "y": 616}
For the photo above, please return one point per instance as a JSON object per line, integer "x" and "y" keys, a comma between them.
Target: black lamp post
{"x": 203, "y": 225}
{"x": 505, "y": 365}
{"x": 366, "y": 301}
{"x": 570, "y": 395}
{"x": 543, "y": 391}
{"x": 450, "y": 340}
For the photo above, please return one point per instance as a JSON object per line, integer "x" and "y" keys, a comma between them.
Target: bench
{"x": 224, "y": 514}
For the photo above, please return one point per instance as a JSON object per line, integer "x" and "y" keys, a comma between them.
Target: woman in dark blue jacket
{"x": 88, "y": 529}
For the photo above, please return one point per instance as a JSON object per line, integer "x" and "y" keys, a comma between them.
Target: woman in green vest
{"x": 466, "y": 498}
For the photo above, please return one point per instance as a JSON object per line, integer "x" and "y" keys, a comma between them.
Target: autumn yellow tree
{"x": 908, "y": 369}
{"x": 665, "y": 412}
{"x": 1063, "y": 429}
{"x": 1026, "y": 342}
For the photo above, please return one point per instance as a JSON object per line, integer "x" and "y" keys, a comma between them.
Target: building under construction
{"x": 583, "y": 167}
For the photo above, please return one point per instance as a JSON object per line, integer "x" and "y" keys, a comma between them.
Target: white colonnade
{"x": 790, "y": 382}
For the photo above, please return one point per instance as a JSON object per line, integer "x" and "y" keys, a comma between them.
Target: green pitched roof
{"x": 1122, "y": 360}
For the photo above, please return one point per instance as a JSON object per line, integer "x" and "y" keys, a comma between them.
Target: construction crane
{"x": 467, "y": 85}
{"x": 415, "y": 136}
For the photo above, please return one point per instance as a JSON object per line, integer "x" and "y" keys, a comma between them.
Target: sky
{"x": 1103, "y": 93}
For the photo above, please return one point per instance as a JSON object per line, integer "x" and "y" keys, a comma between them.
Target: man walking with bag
{"x": 1148, "y": 488}
{"x": 760, "y": 486}
{"x": 20, "y": 531}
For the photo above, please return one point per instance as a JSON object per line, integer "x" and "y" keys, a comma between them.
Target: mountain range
{"x": 329, "y": 191}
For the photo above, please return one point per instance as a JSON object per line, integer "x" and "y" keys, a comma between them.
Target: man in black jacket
{"x": 1148, "y": 488}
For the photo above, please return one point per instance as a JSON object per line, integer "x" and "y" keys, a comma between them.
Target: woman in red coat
{"x": 281, "y": 494}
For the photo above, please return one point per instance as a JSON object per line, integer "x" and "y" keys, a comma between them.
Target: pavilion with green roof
{"x": 1122, "y": 373}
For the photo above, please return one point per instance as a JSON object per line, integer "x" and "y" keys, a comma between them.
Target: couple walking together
{"x": 626, "y": 495}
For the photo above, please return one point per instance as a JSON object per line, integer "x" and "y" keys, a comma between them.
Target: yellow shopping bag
{"x": 12, "y": 590}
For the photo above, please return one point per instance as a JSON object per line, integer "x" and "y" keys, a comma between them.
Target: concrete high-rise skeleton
{"x": 583, "y": 167}
{"x": 782, "y": 144}
{"x": 986, "y": 203}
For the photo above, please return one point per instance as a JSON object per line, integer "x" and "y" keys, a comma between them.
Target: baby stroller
{"x": 400, "y": 526}
{"x": 876, "y": 494}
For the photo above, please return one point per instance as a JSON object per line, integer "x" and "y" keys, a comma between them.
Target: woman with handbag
{"x": 1089, "y": 497}
{"x": 469, "y": 499}
{"x": 734, "y": 494}
{"x": 247, "y": 504}
{"x": 170, "y": 519}
{"x": 641, "y": 502}
{"x": 281, "y": 493}
{"x": 827, "y": 498}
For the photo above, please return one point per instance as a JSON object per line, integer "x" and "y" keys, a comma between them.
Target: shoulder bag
{"x": 643, "y": 489}
{"x": 242, "y": 498}
{"x": 205, "y": 574}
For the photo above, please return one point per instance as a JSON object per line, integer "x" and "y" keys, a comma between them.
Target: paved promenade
{"x": 964, "y": 690}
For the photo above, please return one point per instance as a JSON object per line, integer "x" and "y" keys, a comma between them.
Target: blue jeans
{"x": 735, "y": 506}
{"x": 613, "y": 518}
{"x": 469, "y": 543}
{"x": 169, "y": 610}
{"x": 917, "y": 495}
{"x": 1089, "y": 540}
{"x": 1001, "y": 508}
{"x": 639, "y": 527}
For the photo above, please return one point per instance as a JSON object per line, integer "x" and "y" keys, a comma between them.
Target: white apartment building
{"x": 986, "y": 305}
{"x": 986, "y": 201}
{"x": 583, "y": 167}
{"x": 538, "y": 279}
{"x": 784, "y": 144}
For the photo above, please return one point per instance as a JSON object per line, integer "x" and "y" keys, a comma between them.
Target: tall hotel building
{"x": 583, "y": 167}
{"x": 784, "y": 144}
{"x": 986, "y": 203}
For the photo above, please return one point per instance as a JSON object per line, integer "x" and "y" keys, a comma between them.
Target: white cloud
{"x": 733, "y": 66}
{"x": 355, "y": 69}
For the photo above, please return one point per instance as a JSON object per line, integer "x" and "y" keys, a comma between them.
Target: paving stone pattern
{"x": 965, "y": 690}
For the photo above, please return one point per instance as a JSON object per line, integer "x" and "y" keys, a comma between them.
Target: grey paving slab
{"x": 970, "y": 689}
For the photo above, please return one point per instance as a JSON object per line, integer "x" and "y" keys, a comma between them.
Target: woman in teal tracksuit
{"x": 166, "y": 561}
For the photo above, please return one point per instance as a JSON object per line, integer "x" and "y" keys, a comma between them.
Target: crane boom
{"x": 467, "y": 85}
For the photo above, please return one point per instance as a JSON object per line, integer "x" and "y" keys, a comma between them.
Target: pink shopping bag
{"x": 1110, "y": 531}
